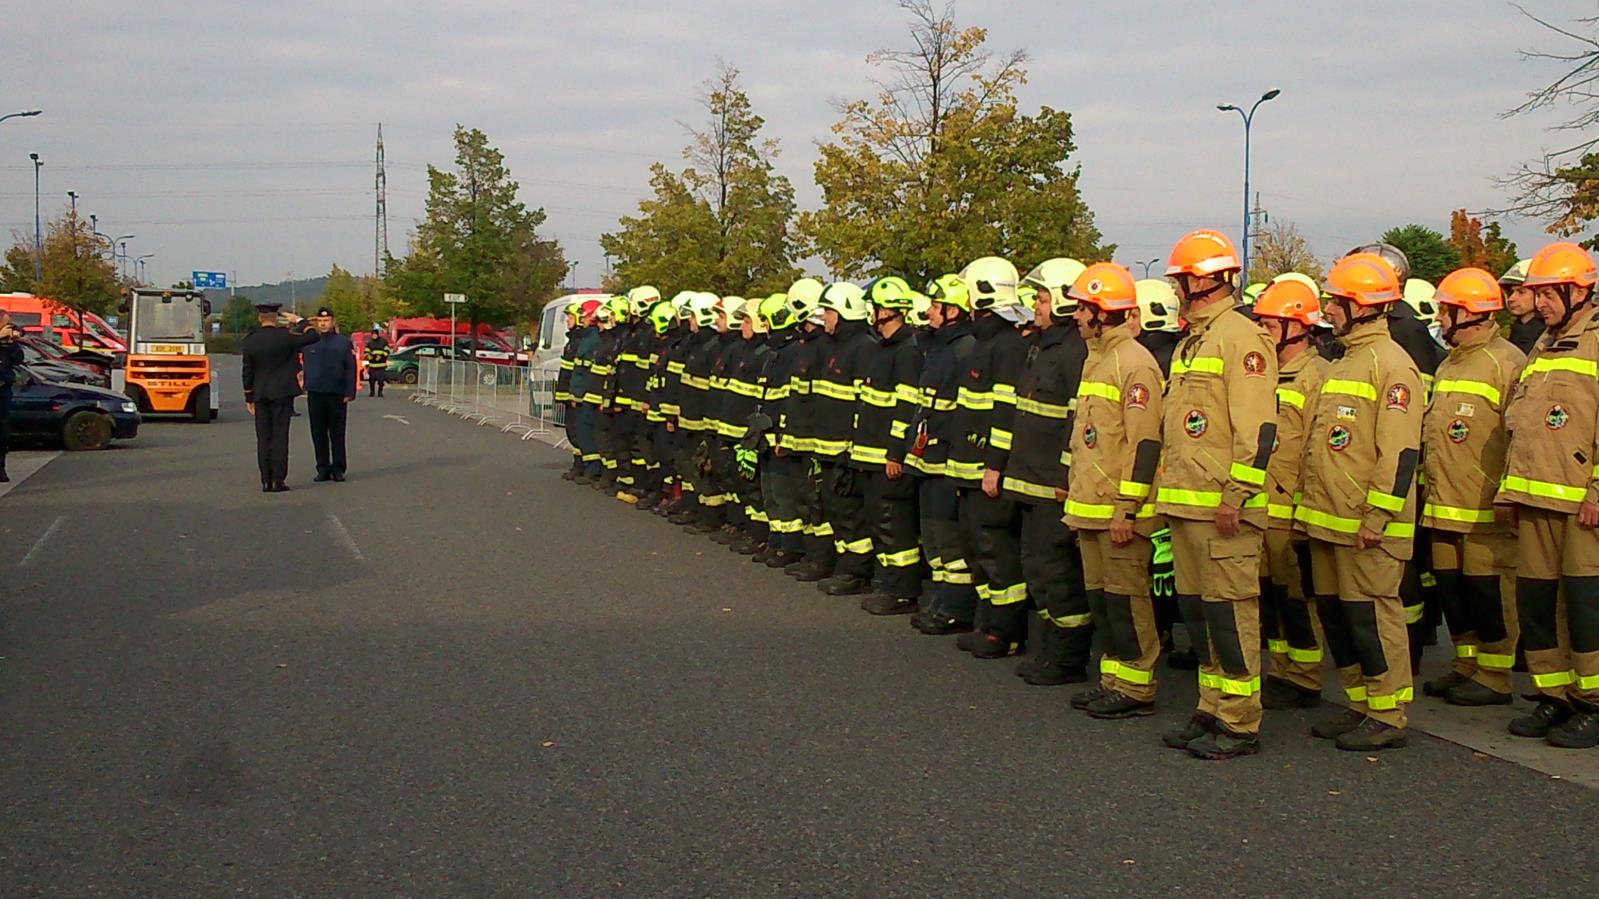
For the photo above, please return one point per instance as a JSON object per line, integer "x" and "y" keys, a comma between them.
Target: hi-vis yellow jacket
{"x": 1463, "y": 435}
{"x": 1115, "y": 434}
{"x": 1298, "y": 387}
{"x": 1553, "y": 419}
{"x": 1364, "y": 445}
{"x": 1221, "y": 418}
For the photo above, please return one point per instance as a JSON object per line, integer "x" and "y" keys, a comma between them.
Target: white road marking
{"x": 43, "y": 539}
{"x": 345, "y": 538}
{"x": 399, "y": 419}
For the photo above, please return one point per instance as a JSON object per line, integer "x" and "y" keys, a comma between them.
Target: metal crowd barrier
{"x": 518, "y": 399}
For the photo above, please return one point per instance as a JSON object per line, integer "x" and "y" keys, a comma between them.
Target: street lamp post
{"x": 122, "y": 239}
{"x": 1249, "y": 119}
{"x": 20, "y": 115}
{"x": 1146, "y": 265}
{"x": 139, "y": 266}
{"x": 38, "y": 230}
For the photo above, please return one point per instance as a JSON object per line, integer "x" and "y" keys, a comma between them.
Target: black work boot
{"x": 726, "y": 535}
{"x": 1198, "y": 726}
{"x": 1545, "y": 717}
{"x": 844, "y": 585}
{"x": 994, "y": 645}
{"x": 1222, "y": 744}
{"x": 1472, "y": 693}
{"x": 1581, "y": 730}
{"x": 1338, "y": 725}
{"x": 1182, "y": 660}
{"x": 782, "y": 558}
{"x": 1280, "y": 695}
{"x": 1040, "y": 658}
{"x": 1054, "y": 667}
{"x": 883, "y": 604}
{"x": 1086, "y": 698}
{"x": 1372, "y": 735}
{"x": 760, "y": 555}
{"x": 1115, "y": 705}
{"x": 1440, "y": 686}
{"x": 748, "y": 546}
{"x": 940, "y": 624}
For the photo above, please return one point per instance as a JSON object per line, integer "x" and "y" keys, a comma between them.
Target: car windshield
{"x": 170, "y": 318}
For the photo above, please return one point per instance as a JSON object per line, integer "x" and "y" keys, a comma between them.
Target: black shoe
{"x": 1198, "y": 726}
{"x": 278, "y": 487}
{"x": 966, "y": 641}
{"x": 992, "y": 645}
{"x": 322, "y": 477}
{"x": 1052, "y": 673}
{"x": 882, "y": 604}
{"x": 1221, "y": 744}
{"x": 583, "y": 479}
{"x": 1472, "y": 693}
{"x": 701, "y": 527}
{"x": 725, "y": 535}
{"x": 1544, "y": 718}
{"x": 338, "y": 477}
{"x": 749, "y": 546}
{"x": 939, "y": 625}
{"x": 1083, "y": 700}
{"x": 1182, "y": 660}
{"x": 1338, "y": 725}
{"x": 1280, "y": 695}
{"x": 782, "y": 558}
{"x": 1440, "y": 686}
{"x": 1581, "y": 731}
{"x": 569, "y": 475}
{"x": 1372, "y": 735}
{"x": 1114, "y": 706}
{"x": 266, "y": 488}
{"x": 844, "y": 585}
{"x": 760, "y": 556}
{"x": 4, "y": 478}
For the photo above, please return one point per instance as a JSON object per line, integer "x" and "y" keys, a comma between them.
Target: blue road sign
{"x": 210, "y": 280}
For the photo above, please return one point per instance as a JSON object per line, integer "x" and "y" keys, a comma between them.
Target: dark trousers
{"x": 990, "y": 529}
{"x": 5, "y": 426}
{"x": 781, "y": 479}
{"x": 328, "y": 417}
{"x": 939, "y": 507}
{"x": 375, "y": 379}
{"x": 272, "y": 439}
{"x": 1052, "y": 564}
{"x": 896, "y": 540}
{"x": 844, "y": 507}
{"x": 583, "y": 437}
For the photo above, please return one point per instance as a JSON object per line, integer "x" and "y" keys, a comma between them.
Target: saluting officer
{"x": 271, "y": 382}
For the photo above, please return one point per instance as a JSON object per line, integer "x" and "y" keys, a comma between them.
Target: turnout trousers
{"x": 272, "y": 439}
{"x": 1052, "y": 567}
{"x": 583, "y": 438}
{"x": 816, "y": 531}
{"x": 1293, "y": 635}
{"x": 1476, "y": 577}
{"x": 891, "y": 525}
{"x": 605, "y": 442}
{"x": 1363, "y": 620}
{"x": 990, "y": 529}
{"x": 952, "y": 595}
{"x": 1117, "y": 581}
{"x": 1557, "y": 601}
{"x": 844, "y": 510}
{"x": 780, "y": 487}
{"x": 628, "y": 425}
{"x": 1218, "y": 587}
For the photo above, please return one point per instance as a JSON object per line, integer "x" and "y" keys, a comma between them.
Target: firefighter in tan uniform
{"x": 1115, "y": 448}
{"x": 1217, "y": 436}
{"x": 1552, "y": 484}
{"x": 1358, "y": 505}
{"x": 1464, "y": 441}
{"x": 1289, "y": 308}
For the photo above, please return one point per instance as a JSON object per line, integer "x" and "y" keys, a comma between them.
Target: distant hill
{"x": 303, "y": 290}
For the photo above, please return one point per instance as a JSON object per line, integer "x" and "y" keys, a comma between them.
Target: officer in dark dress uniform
{"x": 271, "y": 382}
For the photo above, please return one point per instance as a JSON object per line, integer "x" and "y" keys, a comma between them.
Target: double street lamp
{"x": 1249, "y": 119}
{"x": 1146, "y": 265}
{"x": 138, "y": 266}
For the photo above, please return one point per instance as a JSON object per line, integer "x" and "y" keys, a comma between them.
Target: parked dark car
{"x": 405, "y": 365}
{"x": 80, "y": 417}
{"x": 54, "y": 363}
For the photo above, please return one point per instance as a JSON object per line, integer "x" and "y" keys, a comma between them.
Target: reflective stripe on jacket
{"x": 1463, "y": 434}
{"x": 1115, "y": 444}
{"x": 1553, "y": 418}
{"x": 1298, "y": 388}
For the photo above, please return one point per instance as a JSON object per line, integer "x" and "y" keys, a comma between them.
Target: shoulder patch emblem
{"x": 1458, "y": 431}
{"x": 1254, "y": 365}
{"x": 1195, "y": 423}
{"x": 1137, "y": 397}
{"x": 1556, "y": 417}
{"x": 1398, "y": 398}
{"x": 1338, "y": 438}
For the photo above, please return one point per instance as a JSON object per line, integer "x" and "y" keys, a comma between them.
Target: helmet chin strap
{"x": 1349, "y": 307}
{"x": 1287, "y": 342}
{"x": 1571, "y": 308}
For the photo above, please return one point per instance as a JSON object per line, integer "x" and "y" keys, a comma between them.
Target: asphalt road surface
{"x": 458, "y": 675}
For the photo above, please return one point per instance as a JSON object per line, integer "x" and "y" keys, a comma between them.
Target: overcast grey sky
{"x": 239, "y": 136}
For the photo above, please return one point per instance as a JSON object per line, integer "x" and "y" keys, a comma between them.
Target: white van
{"x": 551, "y": 339}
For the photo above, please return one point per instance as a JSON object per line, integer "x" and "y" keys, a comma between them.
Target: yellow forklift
{"x": 168, "y": 371}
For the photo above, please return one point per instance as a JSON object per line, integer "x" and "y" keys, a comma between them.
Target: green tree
{"x": 726, "y": 221}
{"x": 1561, "y": 186}
{"x": 358, "y": 301}
{"x": 74, "y": 270}
{"x": 478, "y": 239}
{"x": 1431, "y": 257}
{"x": 1280, "y": 249}
{"x": 942, "y": 166}
{"x": 16, "y": 272}
{"x": 1483, "y": 246}
{"x": 238, "y": 315}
